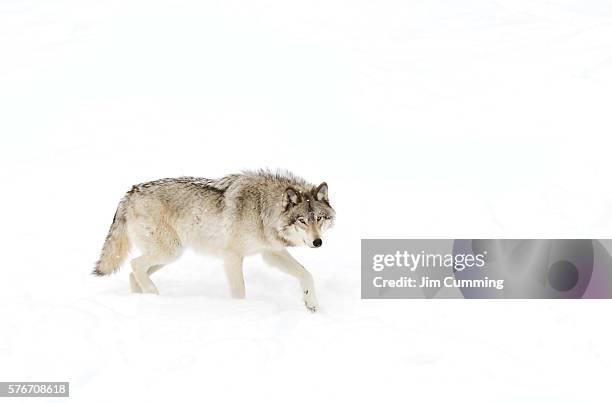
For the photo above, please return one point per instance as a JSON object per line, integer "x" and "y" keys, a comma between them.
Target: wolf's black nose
{"x": 317, "y": 242}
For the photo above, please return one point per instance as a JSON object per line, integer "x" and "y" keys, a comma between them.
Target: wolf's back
{"x": 116, "y": 246}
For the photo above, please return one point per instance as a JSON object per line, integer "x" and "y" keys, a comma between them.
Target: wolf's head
{"x": 307, "y": 215}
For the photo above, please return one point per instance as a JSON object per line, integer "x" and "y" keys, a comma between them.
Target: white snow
{"x": 448, "y": 119}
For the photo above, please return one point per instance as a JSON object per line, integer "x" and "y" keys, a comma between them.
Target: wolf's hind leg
{"x": 232, "y": 264}
{"x": 286, "y": 263}
{"x": 160, "y": 245}
{"x": 143, "y": 267}
{"x": 154, "y": 269}
{"x": 140, "y": 266}
{"x": 134, "y": 285}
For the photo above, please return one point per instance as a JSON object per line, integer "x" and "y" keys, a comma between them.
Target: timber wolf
{"x": 232, "y": 217}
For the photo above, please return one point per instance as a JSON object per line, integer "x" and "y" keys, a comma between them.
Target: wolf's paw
{"x": 310, "y": 301}
{"x": 311, "y": 308}
{"x": 238, "y": 293}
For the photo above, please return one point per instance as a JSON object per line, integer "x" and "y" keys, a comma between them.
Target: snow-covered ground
{"x": 474, "y": 118}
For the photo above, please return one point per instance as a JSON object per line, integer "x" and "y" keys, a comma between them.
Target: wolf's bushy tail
{"x": 116, "y": 246}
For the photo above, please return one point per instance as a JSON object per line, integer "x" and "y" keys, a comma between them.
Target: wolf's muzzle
{"x": 317, "y": 242}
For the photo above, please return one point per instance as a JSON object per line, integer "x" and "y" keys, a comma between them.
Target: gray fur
{"x": 232, "y": 217}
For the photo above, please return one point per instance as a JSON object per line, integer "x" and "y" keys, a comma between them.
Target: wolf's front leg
{"x": 233, "y": 269}
{"x": 285, "y": 262}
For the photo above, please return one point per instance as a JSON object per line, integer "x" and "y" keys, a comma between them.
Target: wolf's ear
{"x": 321, "y": 192}
{"x": 292, "y": 197}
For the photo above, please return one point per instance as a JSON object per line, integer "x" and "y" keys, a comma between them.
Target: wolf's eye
{"x": 302, "y": 220}
{"x": 319, "y": 218}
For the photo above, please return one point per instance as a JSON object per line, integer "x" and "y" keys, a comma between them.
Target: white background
{"x": 448, "y": 119}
